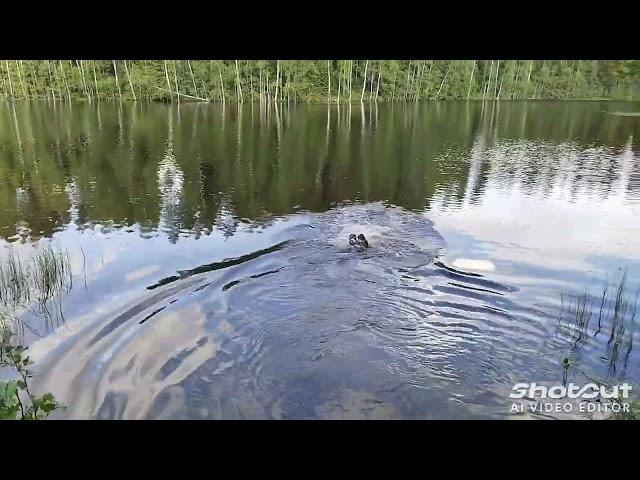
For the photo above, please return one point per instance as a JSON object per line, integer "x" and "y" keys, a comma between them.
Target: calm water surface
{"x": 213, "y": 277}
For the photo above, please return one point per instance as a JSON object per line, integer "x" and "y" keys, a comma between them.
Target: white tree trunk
{"x": 486, "y": 90}
{"x": 275, "y": 98}
{"x": 416, "y": 92}
{"x": 350, "y": 78}
{"x": 393, "y": 93}
{"x": 193, "y": 78}
{"x": 95, "y": 81}
{"x": 175, "y": 80}
{"x": 364, "y": 82}
{"x": 406, "y": 87}
{"x": 495, "y": 84}
{"x": 126, "y": 69}
{"x": 443, "y": 80}
{"x": 471, "y": 79}
{"x": 166, "y": 73}
{"x": 221, "y": 84}
{"x": 329, "y": 77}
{"x": 371, "y": 86}
{"x": 66, "y": 85}
{"x": 115, "y": 70}
{"x": 82, "y": 79}
{"x": 239, "y": 87}
{"x": 339, "y": 84}
{"x": 6, "y": 62}
{"x": 24, "y": 89}
{"x": 4, "y": 88}
{"x": 55, "y": 72}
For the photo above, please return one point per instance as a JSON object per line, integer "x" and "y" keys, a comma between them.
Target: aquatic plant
{"x": 577, "y": 313}
{"x": 52, "y": 273}
{"x": 616, "y": 310}
{"x": 36, "y": 284}
{"x": 14, "y": 282}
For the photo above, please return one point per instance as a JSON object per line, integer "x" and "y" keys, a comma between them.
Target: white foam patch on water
{"x": 472, "y": 264}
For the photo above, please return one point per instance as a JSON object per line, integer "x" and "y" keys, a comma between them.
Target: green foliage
{"x": 308, "y": 80}
{"x": 632, "y": 414}
{"x": 9, "y": 407}
{"x": 16, "y": 401}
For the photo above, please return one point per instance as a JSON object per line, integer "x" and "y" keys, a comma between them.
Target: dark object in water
{"x": 358, "y": 241}
{"x": 362, "y": 241}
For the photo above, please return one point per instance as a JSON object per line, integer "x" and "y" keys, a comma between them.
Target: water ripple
{"x": 309, "y": 328}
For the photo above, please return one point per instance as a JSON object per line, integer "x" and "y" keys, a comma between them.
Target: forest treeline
{"x": 334, "y": 81}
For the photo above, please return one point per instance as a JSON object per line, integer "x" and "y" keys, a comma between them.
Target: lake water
{"x": 213, "y": 276}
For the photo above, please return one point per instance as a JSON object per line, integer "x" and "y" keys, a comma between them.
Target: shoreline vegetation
{"x": 318, "y": 81}
{"x": 36, "y": 286}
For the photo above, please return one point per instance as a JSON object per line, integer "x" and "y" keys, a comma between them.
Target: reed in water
{"x": 36, "y": 283}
